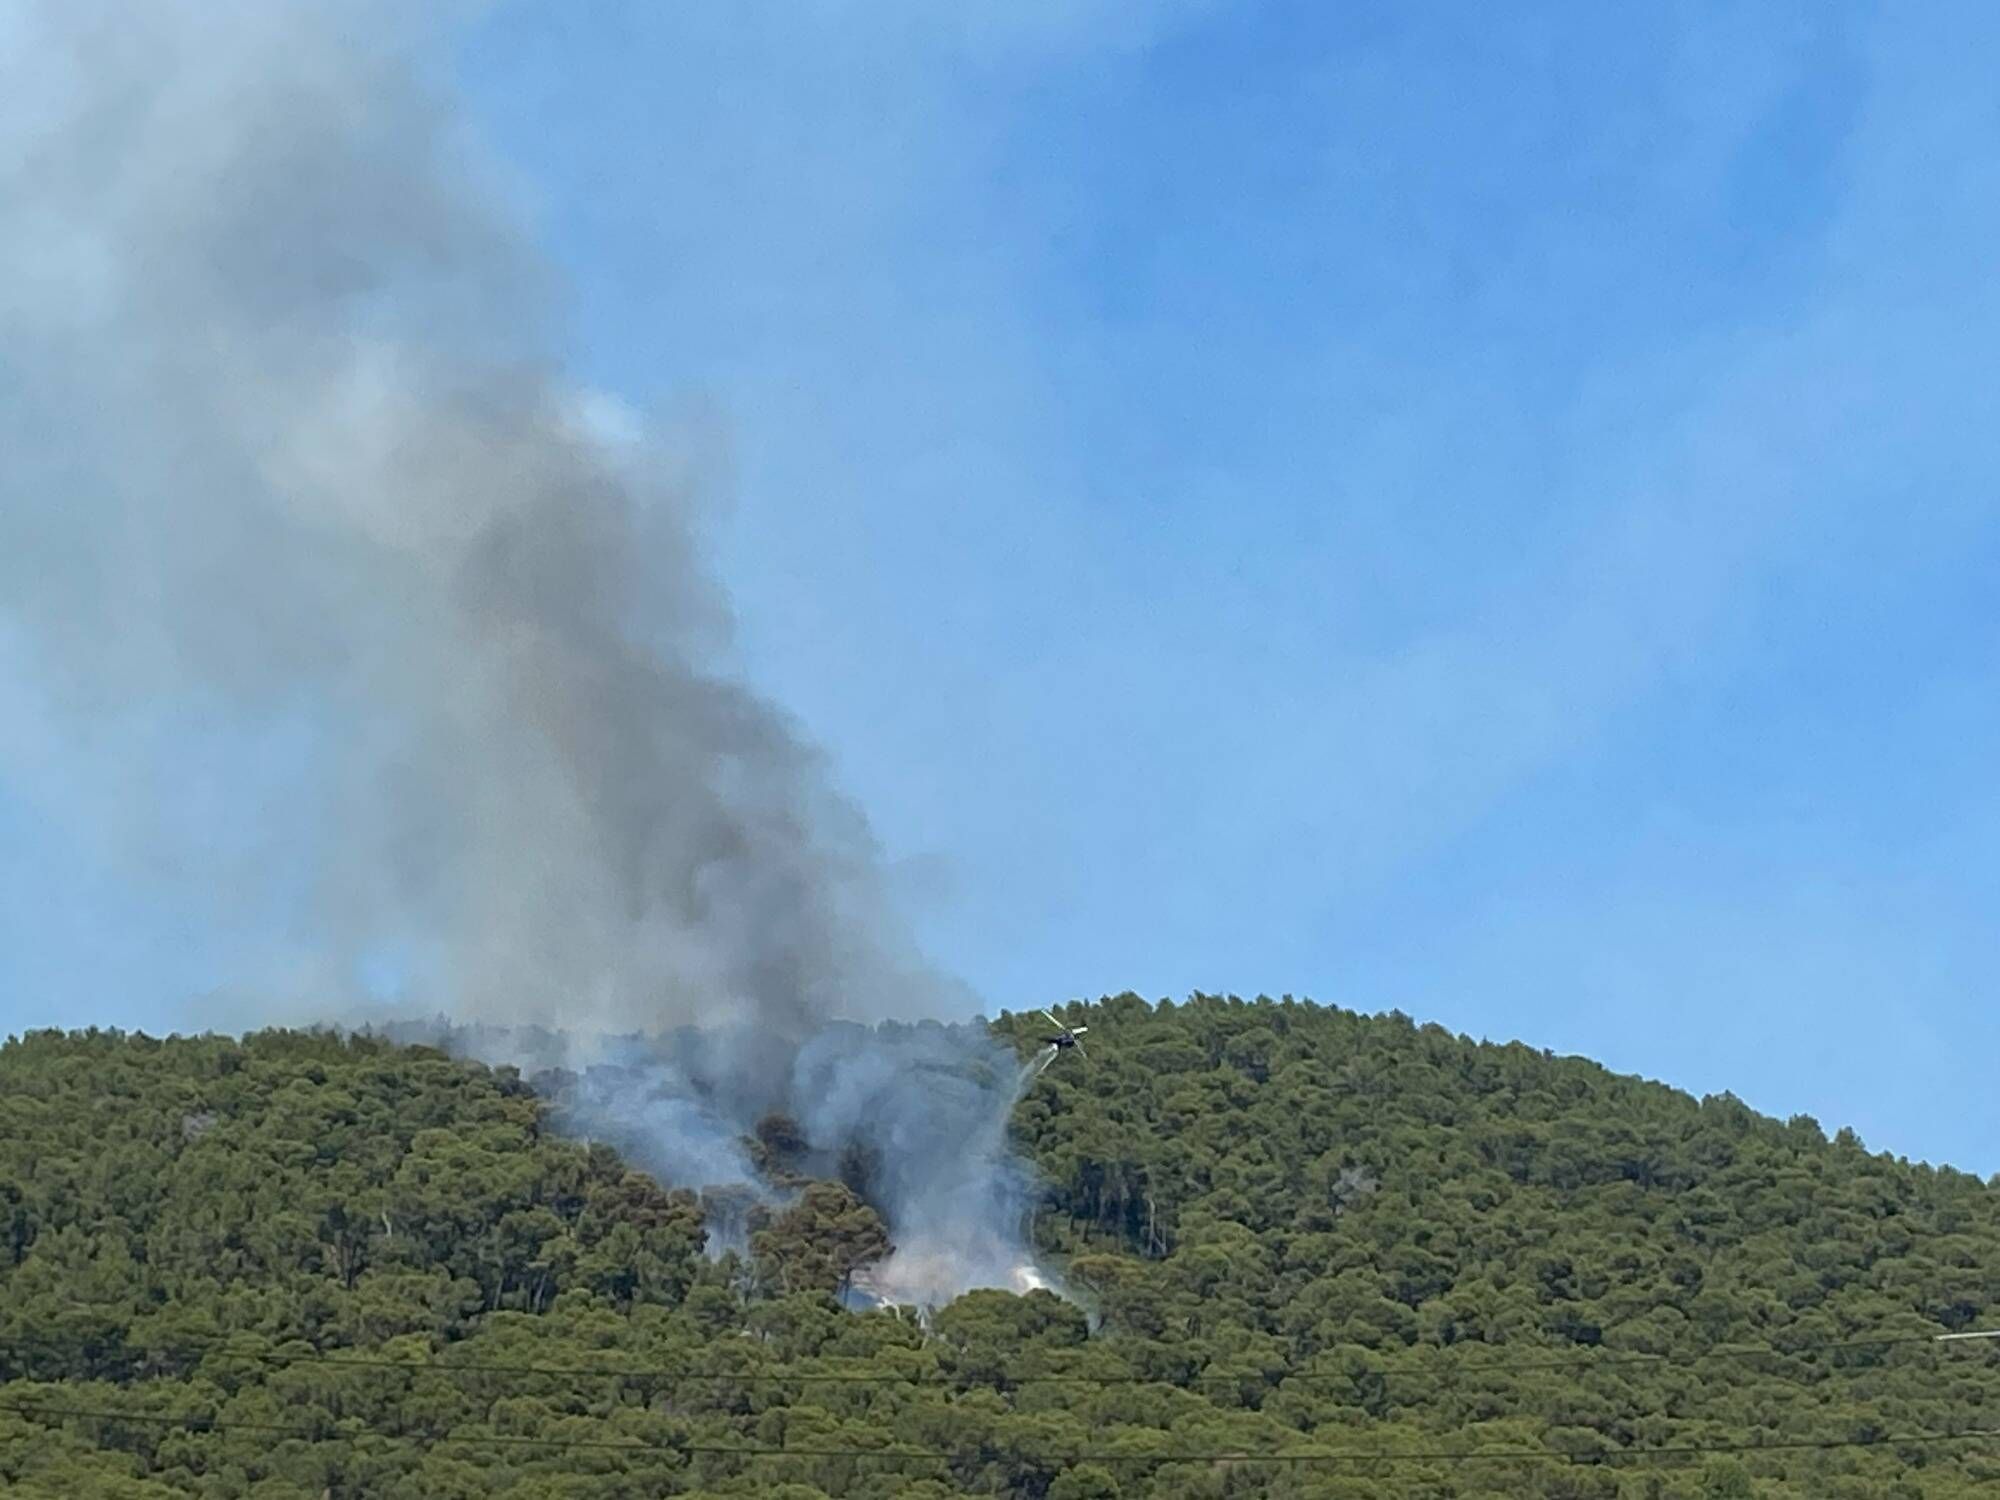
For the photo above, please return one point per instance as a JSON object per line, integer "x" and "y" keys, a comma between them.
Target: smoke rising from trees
{"x": 345, "y": 608}
{"x": 912, "y": 1117}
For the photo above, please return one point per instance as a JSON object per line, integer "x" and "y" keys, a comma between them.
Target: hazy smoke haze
{"x": 923, "y": 1107}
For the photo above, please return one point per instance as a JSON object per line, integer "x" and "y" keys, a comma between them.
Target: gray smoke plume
{"x": 351, "y": 611}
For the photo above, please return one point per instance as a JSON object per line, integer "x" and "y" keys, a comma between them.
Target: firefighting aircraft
{"x": 1066, "y": 1036}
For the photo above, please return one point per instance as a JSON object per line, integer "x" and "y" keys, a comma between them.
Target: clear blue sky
{"x": 1486, "y": 511}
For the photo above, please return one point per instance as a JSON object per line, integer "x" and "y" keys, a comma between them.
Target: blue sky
{"x": 1488, "y": 512}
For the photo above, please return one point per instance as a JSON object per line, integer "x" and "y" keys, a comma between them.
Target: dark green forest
{"x": 1314, "y": 1253}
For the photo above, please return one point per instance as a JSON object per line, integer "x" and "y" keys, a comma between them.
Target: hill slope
{"x": 240, "y": 1269}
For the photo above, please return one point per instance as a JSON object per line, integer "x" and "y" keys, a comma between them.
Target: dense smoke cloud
{"x": 294, "y": 489}
{"x": 285, "y": 457}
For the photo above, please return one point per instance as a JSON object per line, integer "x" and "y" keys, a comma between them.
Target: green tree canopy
{"x": 1304, "y": 1253}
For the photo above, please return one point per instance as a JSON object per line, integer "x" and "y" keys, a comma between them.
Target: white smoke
{"x": 294, "y": 488}
{"x": 915, "y": 1117}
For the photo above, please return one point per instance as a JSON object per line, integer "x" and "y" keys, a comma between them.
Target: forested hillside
{"x": 1323, "y": 1255}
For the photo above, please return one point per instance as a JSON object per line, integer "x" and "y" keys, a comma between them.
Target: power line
{"x": 981, "y": 1455}
{"x": 1583, "y": 1362}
